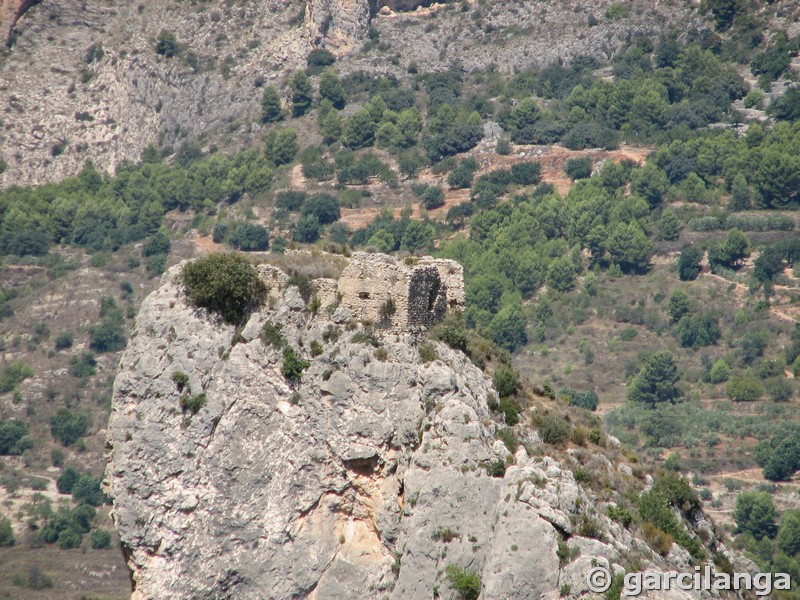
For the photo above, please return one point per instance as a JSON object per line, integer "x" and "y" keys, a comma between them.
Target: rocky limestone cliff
{"x": 363, "y": 480}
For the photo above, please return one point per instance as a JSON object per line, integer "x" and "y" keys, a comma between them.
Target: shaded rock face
{"x": 364, "y": 479}
{"x": 339, "y": 25}
{"x": 10, "y": 13}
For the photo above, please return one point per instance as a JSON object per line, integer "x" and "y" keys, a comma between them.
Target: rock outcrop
{"x": 365, "y": 478}
{"x": 338, "y": 25}
{"x": 10, "y": 13}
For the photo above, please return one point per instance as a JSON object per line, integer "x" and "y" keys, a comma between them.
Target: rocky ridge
{"x": 364, "y": 479}
{"x": 83, "y": 81}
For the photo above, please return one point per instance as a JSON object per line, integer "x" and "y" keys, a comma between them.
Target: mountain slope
{"x": 371, "y": 475}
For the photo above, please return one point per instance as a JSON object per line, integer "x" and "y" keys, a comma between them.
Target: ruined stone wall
{"x": 452, "y": 275}
{"x": 423, "y": 290}
{"x": 427, "y": 297}
{"x": 369, "y": 281}
{"x": 327, "y": 290}
{"x": 274, "y": 278}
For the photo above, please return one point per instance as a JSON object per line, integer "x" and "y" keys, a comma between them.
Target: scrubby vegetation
{"x": 656, "y": 284}
{"x": 224, "y": 283}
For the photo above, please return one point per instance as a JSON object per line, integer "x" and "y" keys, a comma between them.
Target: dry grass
{"x": 309, "y": 263}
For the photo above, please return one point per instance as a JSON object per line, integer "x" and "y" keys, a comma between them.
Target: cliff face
{"x": 363, "y": 480}
{"x": 83, "y": 80}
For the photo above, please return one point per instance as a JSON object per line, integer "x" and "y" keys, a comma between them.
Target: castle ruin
{"x": 400, "y": 294}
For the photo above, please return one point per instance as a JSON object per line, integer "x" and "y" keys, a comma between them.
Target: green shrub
{"x": 578, "y": 168}
{"x": 15, "y": 373}
{"x": 293, "y": 364}
{"x": 621, "y": 515}
{"x": 101, "y": 539}
{"x": 427, "y": 352}
{"x": 167, "y": 43}
{"x": 6, "y": 533}
{"x": 156, "y": 264}
{"x": 318, "y": 59}
{"x": 587, "y": 400}
{"x": 445, "y": 534}
{"x": 744, "y": 388}
{"x": 506, "y": 381}
{"x": 280, "y": 147}
{"x": 271, "y": 335}
{"x": 271, "y": 110}
{"x": 291, "y": 200}
{"x": 83, "y": 366}
{"x": 68, "y": 425}
{"x": 224, "y": 283}
{"x": 455, "y": 337}
{"x": 779, "y": 389}
{"x": 720, "y": 372}
{"x": 465, "y": 583}
{"x": 180, "y": 379}
{"x": 64, "y": 340}
{"x": 88, "y": 490}
{"x": 316, "y": 348}
{"x": 331, "y": 333}
{"x": 13, "y": 439}
{"x": 507, "y": 436}
{"x": 526, "y": 172}
{"x": 511, "y": 409}
{"x": 553, "y": 429}
{"x": 69, "y": 538}
{"x": 306, "y": 230}
{"x": 193, "y": 402}
{"x": 432, "y": 197}
{"x": 689, "y": 263}
{"x": 66, "y": 481}
{"x": 107, "y": 336}
{"x": 36, "y": 579}
{"x": 755, "y": 514}
{"x": 248, "y": 237}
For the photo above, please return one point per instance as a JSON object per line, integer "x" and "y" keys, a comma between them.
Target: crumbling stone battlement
{"x": 421, "y": 292}
{"x": 400, "y": 294}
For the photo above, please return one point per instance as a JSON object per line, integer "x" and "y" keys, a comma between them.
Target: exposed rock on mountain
{"x": 365, "y": 478}
{"x": 10, "y": 13}
{"x": 83, "y": 80}
{"x": 340, "y": 25}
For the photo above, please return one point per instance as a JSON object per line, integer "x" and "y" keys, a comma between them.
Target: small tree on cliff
{"x": 224, "y": 283}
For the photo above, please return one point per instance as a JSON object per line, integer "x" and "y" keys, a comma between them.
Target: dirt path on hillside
{"x": 740, "y": 291}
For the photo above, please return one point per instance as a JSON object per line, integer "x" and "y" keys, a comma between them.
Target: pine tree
{"x": 331, "y": 88}
{"x": 656, "y": 382}
{"x": 271, "y": 105}
{"x": 302, "y": 94}
{"x": 668, "y": 226}
{"x": 740, "y": 193}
